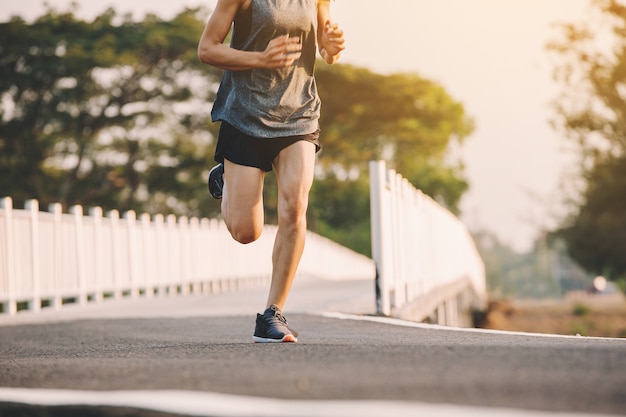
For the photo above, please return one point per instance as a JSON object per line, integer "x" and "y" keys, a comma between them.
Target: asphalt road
{"x": 337, "y": 358}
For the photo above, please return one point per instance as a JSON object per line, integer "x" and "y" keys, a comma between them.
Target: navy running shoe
{"x": 271, "y": 327}
{"x": 216, "y": 181}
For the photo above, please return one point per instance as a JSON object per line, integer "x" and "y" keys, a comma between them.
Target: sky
{"x": 489, "y": 55}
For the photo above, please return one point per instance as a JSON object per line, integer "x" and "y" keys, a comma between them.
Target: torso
{"x": 279, "y": 102}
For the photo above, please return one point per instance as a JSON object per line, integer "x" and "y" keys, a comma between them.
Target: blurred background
{"x": 511, "y": 113}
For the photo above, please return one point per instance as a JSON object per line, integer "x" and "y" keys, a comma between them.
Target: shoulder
{"x": 238, "y": 5}
{"x": 244, "y": 5}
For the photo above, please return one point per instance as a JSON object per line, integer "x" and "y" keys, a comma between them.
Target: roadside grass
{"x": 579, "y": 314}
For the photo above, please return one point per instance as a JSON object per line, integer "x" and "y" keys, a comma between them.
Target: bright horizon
{"x": 488, "y": 54}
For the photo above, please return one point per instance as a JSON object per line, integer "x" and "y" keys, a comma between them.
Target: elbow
{"x": 207, "y": 53}
{"x": 204, "y": 55}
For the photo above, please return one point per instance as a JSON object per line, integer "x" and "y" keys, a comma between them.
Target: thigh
{"x": 243, "y": 195}
{"x": 295, "y": 167}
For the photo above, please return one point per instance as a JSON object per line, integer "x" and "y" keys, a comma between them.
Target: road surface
{"x": 346, "y": 357}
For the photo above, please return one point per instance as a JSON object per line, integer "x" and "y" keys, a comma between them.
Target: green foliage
{"x": 580, "y": 310}
{"x": 91, "y": 111}
{"x": 597, "y": 234}
{"x": 339, "y": 210}
{"x": 406, "y": 120}
{"x": 592, "y": 69}
{"x": 592, "y": 112}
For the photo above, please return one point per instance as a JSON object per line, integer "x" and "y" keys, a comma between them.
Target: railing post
{"x": 149, "y": 255}
{"x": 133, "y": 249}
{"x": 194, "y": 244}
{"x": 33, "y": 207}
{"x": 7, "y": 205}
{"x": 184, "y": 254}
{"x": 161, "y": 249}
{"x": 114, "y": 222}
{"x": 173, "y": 276}
{"x": 97, "y": 214}
{"x": 379, "y": 216}
{"x": 204, "y": 242}
{"x": 394, "y": 245}
{"x": 77, "y": 211}
{"x": 57, "y": 211}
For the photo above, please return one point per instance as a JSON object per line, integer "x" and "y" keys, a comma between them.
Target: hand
{"x": 331, "y": 42}
{"x": 281, "y": 52}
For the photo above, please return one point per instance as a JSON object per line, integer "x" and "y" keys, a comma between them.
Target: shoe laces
{"x": 279, "y": 315}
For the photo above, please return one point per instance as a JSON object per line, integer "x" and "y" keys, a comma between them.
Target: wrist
{"x": 258, "y": 60}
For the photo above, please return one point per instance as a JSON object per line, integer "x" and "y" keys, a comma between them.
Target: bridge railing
{"x": 425, "y": 257}
{"x": 48, "y": 259}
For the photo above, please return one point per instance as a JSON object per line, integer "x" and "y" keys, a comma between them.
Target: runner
{"x": 269, "y": 110}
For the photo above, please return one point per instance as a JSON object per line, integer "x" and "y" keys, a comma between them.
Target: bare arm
{"x": 280, "y": 52}
{"x": 329, "y": 37}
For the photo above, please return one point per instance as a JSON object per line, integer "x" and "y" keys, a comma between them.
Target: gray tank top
{"x": 271, "y": 103}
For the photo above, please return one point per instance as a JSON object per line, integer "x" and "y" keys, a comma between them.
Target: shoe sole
{"x": 219, "y": 190}
{"x": 286, "y": 339}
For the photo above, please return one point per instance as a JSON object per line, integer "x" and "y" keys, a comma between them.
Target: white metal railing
{"x": 417, "y": 245}
{"x": 52, "y": 257}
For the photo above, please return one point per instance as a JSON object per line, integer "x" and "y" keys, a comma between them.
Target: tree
{"x": 105, "y": 112}
{"x": 592, "y": 112}
{"x": 596, "y": 236}
{"x": 404, "y": 119}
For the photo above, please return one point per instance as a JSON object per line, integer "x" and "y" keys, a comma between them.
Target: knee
{"x": 244, "y": 227}
{"x": 245, "y": 235}
{"x": 293, "y": 212}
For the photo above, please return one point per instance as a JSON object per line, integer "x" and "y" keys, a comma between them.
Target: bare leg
{"x": 294, "y": 168}
{"x": 242, "y": 201}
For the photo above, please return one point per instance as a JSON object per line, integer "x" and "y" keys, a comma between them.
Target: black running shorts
{"x": 251, "y": 151}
